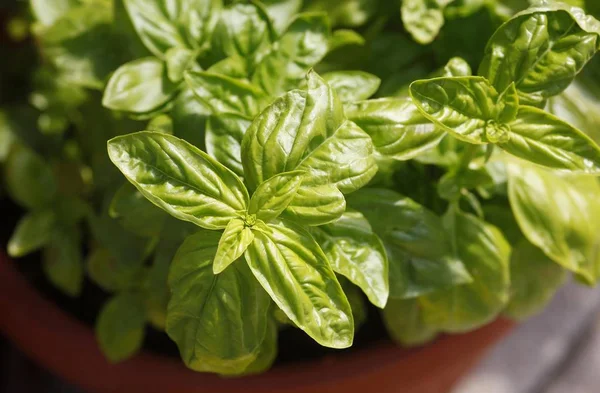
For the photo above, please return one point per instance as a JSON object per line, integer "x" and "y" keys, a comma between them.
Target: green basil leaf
{"x": 243, "y": 30}
{"x": 62, "y": 261}
{"x": 234, "y": 67}
{"x": 351, "y": 13}
{"x": 451, "y": 185}
{"x": 357, "y": 253}
{"x": 189, "y": 118}
{"x": 544, "y": 139}
{"x": 423, "y": 18}
{"x": 305, "y": 130}
{"x": 161, "y": 123}
{"x": 281, "y": 12}
{"x": 558, "y": 214}
{"x": 47, "y": 12}
{"x": 267, "y": 352}
{"x": 404, "y": 321}
{"x": 224, "y": 134}
{"x": 535, "y": 278}
{"x": 467, "y": 107}
{"x": 136, "y": 213}
{"x": 33, "y": 231}
{"x": 179, "y": 178}
{"x": 81, "y": 44}
{"x": 139, "y": 86}
{"x": 397, "y": 127}
{"x": 352, "y": 86}
{"x": 162, "y": 24}
{"x": 302, "y": 46}
{"x": 226, "y": 95}
{"x": 234, "y": 241}
{"x": 420, "y": 254}
{"x": 7, "y": 135}
{"x": 29, "y": 180}
{"x": 109, "y": 274}
{"x": 178, "y": 60}
{"x": 219, "y": 322}
{"x": 295, "y": 272}
{"x": 485, "y": 254}
{"x": 541, "y": 50}
{"x": 120, "y": 326}
{"x": 274, "y": 195}
{"x": 343, "y": 37}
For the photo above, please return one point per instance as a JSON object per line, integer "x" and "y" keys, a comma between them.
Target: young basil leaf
{"x": 467, "y": 107}
{"x": 136, "y": 213}
{"x": 233, "y": 243}
{"x": 357, "y": 253}
{"x": 350, "y": 13}
{"x": 179, "y": 178}
{"x": 541, "y": 50}
{"x": 397, "y": 127}
{"x": 234, "y": 67}
{"x": 305, "y": 130}
{"x": 452, "y": 184}
{"x": 486, "y": 255}
{"x": 542, "y": 138}
{"x": 111, "y": 275}
{"x": 224, "y": 134}
{"x": 47, "y": 12}
{"x": 558, "y": 214}
{"x": 404, "y": 321}
{"x": 243, "y": 30}
{"x": 219, "y": 322}
{"x": 161, "y": 123}
{"x": 178, "y": 60}
{"x": 352, "y": 86}
{"x": 295, "y": 272}
{"x": 275, "y": 194}
{"x": 225, "y": 95}
{"x": 120, "y": 326}
{"x": 33, "y": 231}
{"x": 301, "y": 47}
{"x": 342, "y": 37}
{"x": 29, "y": 180}
{"x": 62, "y": 261}
{"x": 423, "y": 18}
{"x": 139, "y": 86}
{"x": 535, "y": 278}
{"x": 421, "y": 259}
{"x": 162, "y": 25}
{"x": 281, "y": 12}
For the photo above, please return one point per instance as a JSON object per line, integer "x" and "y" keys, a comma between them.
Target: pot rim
{"x": 60, "y": 343}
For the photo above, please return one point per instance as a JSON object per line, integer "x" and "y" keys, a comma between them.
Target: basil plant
{"x": 224, "y": 170}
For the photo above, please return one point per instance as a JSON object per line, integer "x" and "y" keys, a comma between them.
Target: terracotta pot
{"x": 67, "y": 347}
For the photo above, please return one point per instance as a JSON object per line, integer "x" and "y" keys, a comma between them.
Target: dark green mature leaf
{"x": 302, "y": 46}
{"x": 226, "y": 95}
{"x": 179, "y": 178}
{"x": 136, "y": 213}
{"x": 396, "y": 126}
{"x": 357, "y": 253}
{"x": 541, "y": 50}
{"x": 163, "y": 24}
{"x": 139, "y": 86}
{"x": 352, "y": 86}
{"x": 559, "y": 214}
{"x": 423, "y": 18}
{"x": 29, "y": 180}
{"x": 421, "y": 259}
{"x": 535, "y": 278}
{"x": 243, "y": 30}
{"x": 293, "y": 269}
{"x": 404, "y": 321}
{"x": 234, "y": 241}
{"x": 219, "y": 322}
{"x": 275, "y": 194}
{"x": 306, "y": 130}
{"x": 469, "y": 108}
{"x": 544, "y": 139}
{"x": 120, "y": 326}
{"x": 62, "y": 261}
{"x": 33, "y": 231}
